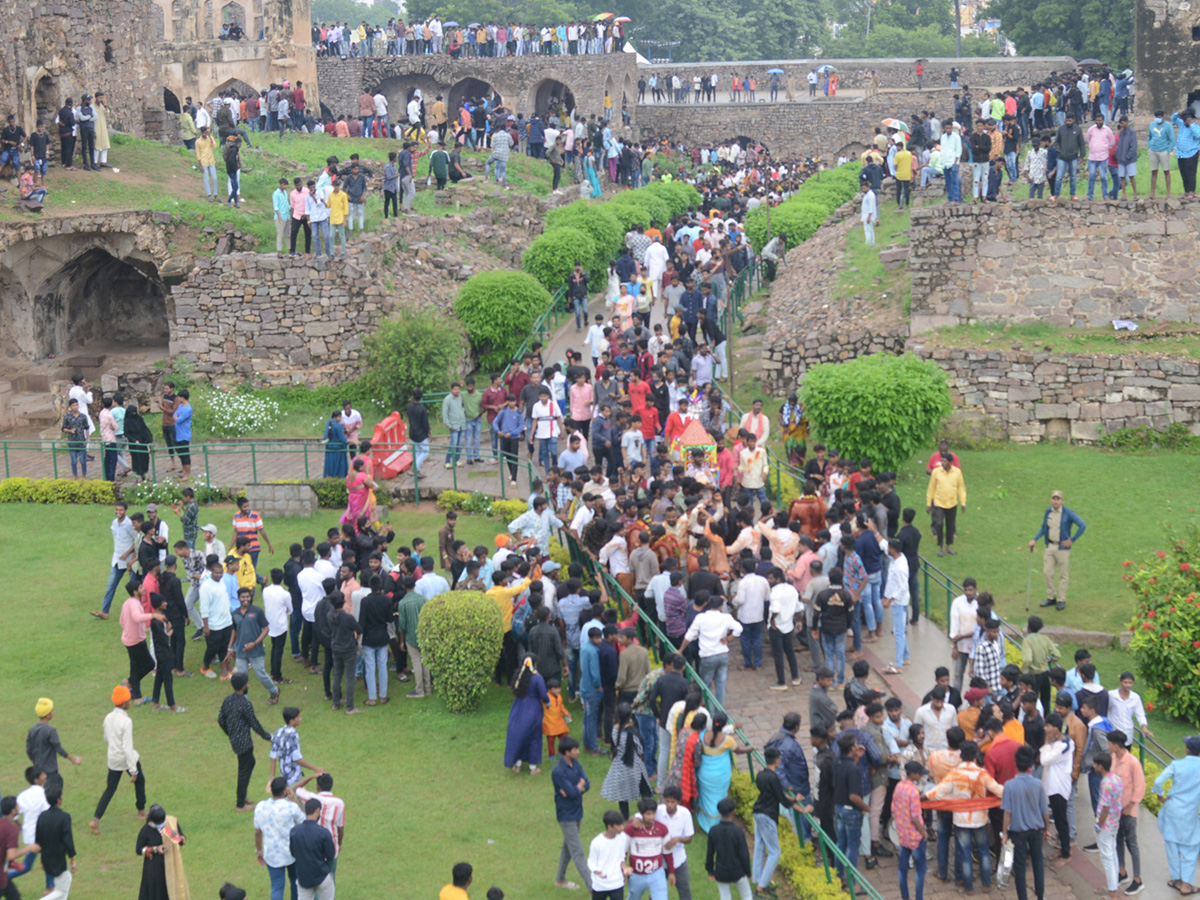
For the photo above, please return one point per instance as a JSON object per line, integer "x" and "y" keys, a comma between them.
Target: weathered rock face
{"x": 1061, "y": 264}
{"x": 302, "y": 321}
{"x": 1167, "y": 53}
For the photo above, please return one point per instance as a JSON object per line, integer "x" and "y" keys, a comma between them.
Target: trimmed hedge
{"x": 657, "y": 208}
{"x": 460, "y": 634}
{"x": 551, "y": 258}
{"x": 806, "y": 210}
{"x": 331, "y": 492}
{"x": 498, "y": 310}
{"x": 598, "y": 222}
{"x": 629, "y": 215}
{"x": 55, "y": 491}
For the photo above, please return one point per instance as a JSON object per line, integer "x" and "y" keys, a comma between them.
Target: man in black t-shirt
{"x": 39, "y": 142}
{"x": 12, "y": 139}
{"x": 848, "y": 804}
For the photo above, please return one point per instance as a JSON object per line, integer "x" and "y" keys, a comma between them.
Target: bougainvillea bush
{"x": 1166, "y": 627}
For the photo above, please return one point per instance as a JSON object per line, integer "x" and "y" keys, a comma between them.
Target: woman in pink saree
{"x": 359, "y": 486}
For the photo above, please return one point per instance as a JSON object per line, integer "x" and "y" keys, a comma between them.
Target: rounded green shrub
{"x": 881, "y": 407}
{"x": 596, "y": 221}
{"x": 655, "y": 207}
{"x": 552, "y": 256}
{"x": 798, "y": 220}
{"x": 498, "y": 310}
{"x": 668, "y": 194}
{"x": 416, "y": 349}
{"x": 461, "y": 633}
{"x": 688, "y": 195}
{"x": 629, "y": 215}
{"x": 55, "y": 491}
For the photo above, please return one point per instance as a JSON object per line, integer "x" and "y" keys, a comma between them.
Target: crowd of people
{"x": 434, "y": 37}
{"x": 1038, "y": 135}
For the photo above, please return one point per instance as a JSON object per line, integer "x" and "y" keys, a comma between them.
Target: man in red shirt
{"x": 676, "y": 421}
{"x": 653, "y": 867}
{"x": 492, "y": 402}
{"x": 936, "y": 459}
{"x": 864, "y": 471}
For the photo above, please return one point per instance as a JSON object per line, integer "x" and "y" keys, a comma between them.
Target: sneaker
{"x": 413, "y": 695}
{"x": 208, "y": 673}
{"x": 778, "y": 687}
{"x": 1135, "y": 887}
{"x": 227, "y": 676}
{"x": 796, "y": 681}
{"x": 197, "y": 634}
{"x": 1092, "y": 848}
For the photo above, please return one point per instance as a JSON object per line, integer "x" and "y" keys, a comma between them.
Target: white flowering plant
{"x": 239, "y": 414}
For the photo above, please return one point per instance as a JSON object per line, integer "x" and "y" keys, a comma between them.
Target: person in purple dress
{"x": 524, "y": 743}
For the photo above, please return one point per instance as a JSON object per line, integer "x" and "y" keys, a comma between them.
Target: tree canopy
{"x": 1080, "y": 28}
{"x": 351, "y": 11}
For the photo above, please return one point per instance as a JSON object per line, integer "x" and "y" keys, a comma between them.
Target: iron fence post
{"x": 253, "y": 463}
{"x": 207, "y": 473}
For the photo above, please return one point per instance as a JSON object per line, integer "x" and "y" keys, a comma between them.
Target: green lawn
{"x": 424, "y": 789}
{"x": 1151, "y": 338}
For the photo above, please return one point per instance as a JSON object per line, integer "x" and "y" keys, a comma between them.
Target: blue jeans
{"x": 953, "y": 184}
{"x": 945, "y": 839}
{"x": 713, "y": 672}
{"x": 420, "y": 453}
{"x": 338, "y": 235}
{"x": 654, "y": 883}
{"x": 752, "y": 644}
{"x": 365, "y": 122}
{"x": 833, "y": 648}
{"x": 766, "y": 849}
{"x": 917, "y": 858}
{"x": 233, "y": 188}
{"x": 581, "y": 312}
{"x": 648, "y": 725}
{"x": 456, "y": 442}
{"x": 323, "y": 237}
{"x": 1064, "y": 166}
{"x": 872, "y": 603}
{"x": 849, "y": 834}
{"x": 209, "y": 173}
{"x": 1010, "y": 163}
{"x": 114, "y": 580}
{"x": 979, "y": 179}
{"x": 277, "y": 878}
{"x": 900, "y": 632}
{"x": 591, "y": 711}
{"x": 572, "y": 669}
{"x": 78, "y": 461}
{"x": 1094, "y": 788}
{"x": 1097, "y": 168}
{"x": 474, "y": 427}
{"x": 547, "y": 451}
{"x": 376, "y": 659}
{"x": 979, "y": 837}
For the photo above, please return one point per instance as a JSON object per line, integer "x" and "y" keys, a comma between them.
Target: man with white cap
{"x": 212, "y": 546}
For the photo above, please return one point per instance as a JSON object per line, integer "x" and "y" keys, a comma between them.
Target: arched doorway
{"x": 46, "y": 99}
{"x": 852, "y": 150}
{"x": 628, "y": 93}
{"x": 236, "y": 85}
{"x": 399, "y": 90}
{"x": 171, "y": 102}
{"x": 233, "y": 14}
{"x": 100, "y": 301}
{"x": 551, "y": 94}
{"x": 468, "y": 88}
{"x": 609, "y": 87}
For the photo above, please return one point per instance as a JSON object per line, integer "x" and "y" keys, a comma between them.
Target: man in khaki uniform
{"x": 1061, "y": 528}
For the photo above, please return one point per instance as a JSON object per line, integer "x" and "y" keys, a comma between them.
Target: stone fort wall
{"x": 1065, "y": 265}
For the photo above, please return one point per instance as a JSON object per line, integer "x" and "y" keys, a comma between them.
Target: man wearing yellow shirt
{"x": 903, "y": 161}
{"x": 206, "y": 149}
{"x": 247, "y": 577}
{"x": 461, "y": 877}
{"x": 339, "y": 209}
{"x": 507, "y": 664}
{"x": 946, "y": 492}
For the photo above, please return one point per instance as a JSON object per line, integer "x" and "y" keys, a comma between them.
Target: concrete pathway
{"x": 759, "y": 711}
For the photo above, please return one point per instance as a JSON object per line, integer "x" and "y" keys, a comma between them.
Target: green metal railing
{"x": 652, "y": 637}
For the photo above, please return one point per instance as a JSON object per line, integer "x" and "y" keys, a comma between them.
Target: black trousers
{"x": 178, "y": 644}
{"x": 245, "y": 770}
{"x": 164, "y": 678}
{"x": 141, "y": 664}
{"x": 510, "y": 452}
{"x": 1058, "y": 812}
{"x": 783, "y": 645}
{"x": 1187, "y": 171}
{"x": 114, "y": 779}
{"x": 68, "y": 151}
{"x": 389, "y": 198}
{"x": 945, "y": 524}
{"x": 216, "y": 646}
{"x": 87, "y": 145}
{"x": 557, "y": 176}
{"x": 278, "y": 645}
{"x": 308, "y": 649}
{"x": 327, "y": 669}
{"x": 343, "y": 669}
{"x": 297, "y": 224}
{"x": 1028, "y": 845}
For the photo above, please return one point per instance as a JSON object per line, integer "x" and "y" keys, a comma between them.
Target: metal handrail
{"x": 647, "y": 628}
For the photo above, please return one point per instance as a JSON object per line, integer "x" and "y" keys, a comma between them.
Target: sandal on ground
{"x": 99, "y": 615}
{"x": 383, "y": 700}
{"x": 892, "y": 670}
{"x": 274, "y": 698}
{"x": 567, "y": 885}
{"x": 534, "y": 770}
{"x": 141, "y": 701}
{"x": 370, "y": 703}
{"x": 1192, "y": 889}
{"x": 177, "y": 709}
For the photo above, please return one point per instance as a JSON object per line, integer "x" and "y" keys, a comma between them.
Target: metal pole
{"x": 207, "y": 474}
{"x": 957, "y": 29}
{"x": 306, "y": 475}
{"x": 6, "y": 473}
{"x": 54, "y": 457}
{"x": 253, "y": 463}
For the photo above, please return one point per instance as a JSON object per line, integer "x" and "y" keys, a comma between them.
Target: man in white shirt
{"x": 584, "y": 514}
{"x": 277, "y": 607}
{"x": 547, "y": 426}
{"x": 123, "y": 534}
{"x": 785, "y": 605}
{"x": 1124, "y": 708}
{"x": 309, "y": 579}
{"x": 615, "y": 555}
{"x": 657, "y": 589}
{"x": 381, "y": 112}
{"x": 750, "y": 600}
{"x": 713, "y": 628}
{"x": 32, "y": 803}
{"x": 212, "y": 546}
{"x": 896, "y": 596}
{"x": 595, "y": 340}
{"x": 430, "y": 584}
{"x": 123, "y": 759}
{"x": 962, "y": 629}
{"x": 937, "y": 717}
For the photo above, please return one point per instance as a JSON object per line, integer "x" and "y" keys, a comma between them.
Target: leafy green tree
{"x": 461, "y": 633}
{"x": 886, "y": 41}
{"x": 498, "y": 310}
{"x": 882, "y": 407}
{"x": 353, "y": 12}
{"x": 534, "y": 12}
{"x": 1088, "y": 28}
{"x": 414, "y": 350}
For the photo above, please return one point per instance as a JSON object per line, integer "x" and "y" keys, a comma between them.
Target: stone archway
{"x": 98, "y": 300}
{"x": 233, "y": 13}
{"x": 171, "y": 101}
{"x": 467, "y": 88}
{"x": 628, "y": 93}
{"x": 239, "y": 87}
{"x": 851, "y": 151}
{"x": 46, "y": 99}
{"x": 399, "y": 90}
{"x": 549, "y": 94}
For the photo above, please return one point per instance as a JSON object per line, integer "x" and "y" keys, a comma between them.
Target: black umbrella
{"x": 1090, "y": 62}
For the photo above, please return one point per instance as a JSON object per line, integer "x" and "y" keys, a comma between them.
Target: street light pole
{"x": 957, "y": 29}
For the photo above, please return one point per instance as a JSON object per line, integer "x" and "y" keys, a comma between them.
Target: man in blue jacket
{"x": 793, "y": 768}
{"x": 1061, "y": 528}
{"x": 570, "y": 784}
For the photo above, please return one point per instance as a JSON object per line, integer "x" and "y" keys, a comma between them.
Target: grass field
{"x": 166, "y": 178}
{"x": 424, "y": 789}
{"x": 1036, "y": 337}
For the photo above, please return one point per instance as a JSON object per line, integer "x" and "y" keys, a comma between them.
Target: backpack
{"x": 520, "y": 618}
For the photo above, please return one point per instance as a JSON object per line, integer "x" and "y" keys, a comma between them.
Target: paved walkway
{"x": 759, "y": 711}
